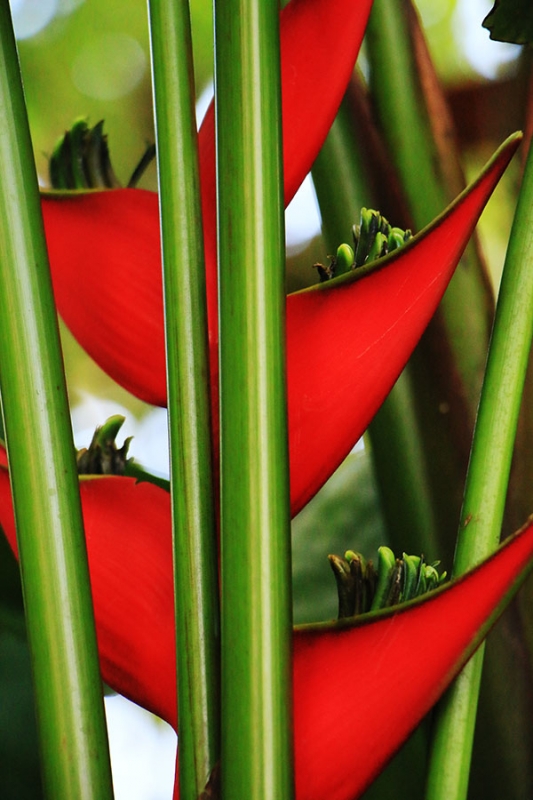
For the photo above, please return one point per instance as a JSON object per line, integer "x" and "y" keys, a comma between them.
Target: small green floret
{"x": 362, "y": 587}
{"x": 373, "y": 238}
{"x": 81, "y": 160}
{"x": 103, "y": 457}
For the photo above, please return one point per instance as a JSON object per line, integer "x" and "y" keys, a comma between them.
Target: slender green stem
{"x": 395, "y": 88}
{"x": 192, "y": 488}
{"x": 341, "y": 178}
{"x": 447, "y": 368}
{"x": 43, "y": 472}
{"x": 343, "y": 187}
{"x": 486, "y": 486}
{"x": 256, "y": 574}
{"x": 398, "y": 91}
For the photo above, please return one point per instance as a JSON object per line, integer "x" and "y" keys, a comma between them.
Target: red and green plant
{"x": 182, "y": 598}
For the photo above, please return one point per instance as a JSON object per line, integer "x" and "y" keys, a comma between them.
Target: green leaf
{"x": 511, "y": 21}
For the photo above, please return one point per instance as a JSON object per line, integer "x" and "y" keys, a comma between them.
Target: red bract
{"x": 347, "y": 340}
{"x": 104, "y": 248}
{"x": 359, "y": 688}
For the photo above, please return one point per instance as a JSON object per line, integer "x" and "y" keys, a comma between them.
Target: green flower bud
{"x": 344, "y": 259}
{"x": 103, "y": 457}
{"x": 385, "y": 568}
{"x": 361, "y": 588}
{"x": 345, "y": 586}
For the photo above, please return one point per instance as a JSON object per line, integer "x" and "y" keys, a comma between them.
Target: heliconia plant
{"x": 179, "y": 597}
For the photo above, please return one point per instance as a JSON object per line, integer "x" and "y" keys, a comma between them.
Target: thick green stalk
{"x": 341, "y": 178}
{"x": 448, "y": 365}
{"x": 256, "y": 574}
{"x": 53, "y": 558}
{"x": 488, "y": 475}
{"x": 425, "y": 160}
{"x": 343, "y": 186}
{"x": 192, "y": 488}
{"x": 396, "y": 92}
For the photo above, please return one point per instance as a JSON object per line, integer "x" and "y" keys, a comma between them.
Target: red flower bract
{"x": 359, "y": 687}
{"x": 104, "y": 248}
{"x": 347, "y": 340}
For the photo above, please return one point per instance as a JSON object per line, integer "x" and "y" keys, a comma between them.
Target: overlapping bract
{"x": 104, "y": 248}
{"x": 347, "y": 340}
{"x": 359, "y": 688}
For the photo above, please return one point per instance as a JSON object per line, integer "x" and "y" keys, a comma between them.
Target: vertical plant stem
{"x": 343, "y": 187}
{"x": 403, "y": 89}
{"x": 193, "y": 504}
{"x": 50, "y": 535}
{"x": 486, "y": 486}
{"x": 256, "y": 574}
{"x": 402, "y": 98}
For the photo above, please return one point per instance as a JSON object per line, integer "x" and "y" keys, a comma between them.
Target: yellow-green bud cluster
{"x": 362, "y": 587}
{"x": 373, "y": 238}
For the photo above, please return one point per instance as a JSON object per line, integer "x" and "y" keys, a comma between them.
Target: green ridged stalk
{"x": 412, "y": 116}
{"x": 401, "y": 83}
{"x": 192, "y": 487}
{"x": 256, "y": 574}
{"x": 53, "y": 558}
{"x": 343, "y": 187}
{"x": 486, "y": 486}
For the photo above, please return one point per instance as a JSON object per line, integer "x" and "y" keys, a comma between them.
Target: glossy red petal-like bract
{"x": 359, "y": 689}
{"x": 105, "y": 259}
{"x": 359, "y": 692}
{"x": 104, "y": 246}
{"x": 347, "y": 340}
{"x": 319, "y": 41}
{"x": 128, "y": 534}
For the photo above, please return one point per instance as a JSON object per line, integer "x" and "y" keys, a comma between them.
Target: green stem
{"x": 256, "y": 574}
{"x": 488, "y": 475}
{"x": 343, "y": 187}
{"x": 402, "y": 115}
{"x": 447, "y": 368}
{"x": 192, "y": 488}
{"x": 53, "y": 558}
{"x": 429, "y": 180}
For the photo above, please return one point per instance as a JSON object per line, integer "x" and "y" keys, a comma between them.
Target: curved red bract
{"x": 319, "y": 41}
{"x": 359, "y": 689}
{"x": 347, "y": 341}
{"x": 104, "y": 247}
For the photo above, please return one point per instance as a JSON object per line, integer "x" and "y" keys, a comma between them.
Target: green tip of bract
{"x": 103, "y": 457}
{"x": 361, "y": 587}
